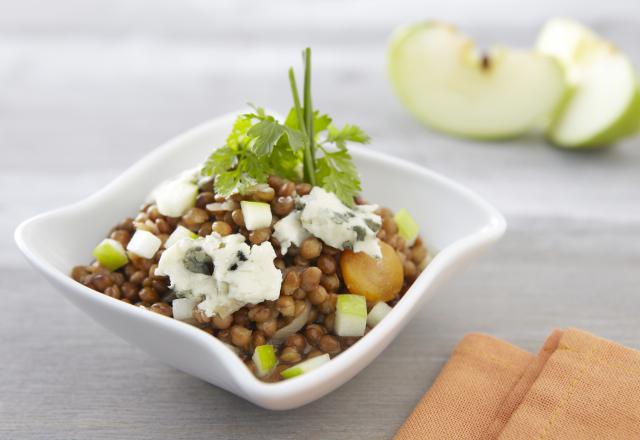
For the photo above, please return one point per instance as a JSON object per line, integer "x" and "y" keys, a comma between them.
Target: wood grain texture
{"x": 88, "y": 87}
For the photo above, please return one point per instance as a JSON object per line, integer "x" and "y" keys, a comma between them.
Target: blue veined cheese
{"x": 288, "y": 230}
{"x": 189, "y": 269}
{"x": 326, "y": 217}
{"x": 222, "y": 273}
{"x": 246, "y": 273}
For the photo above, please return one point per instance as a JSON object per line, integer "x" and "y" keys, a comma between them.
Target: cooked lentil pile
{"x": 314, "y": 274}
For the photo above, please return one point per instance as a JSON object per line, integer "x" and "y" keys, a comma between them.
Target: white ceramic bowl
{"x": 452, "y": 219}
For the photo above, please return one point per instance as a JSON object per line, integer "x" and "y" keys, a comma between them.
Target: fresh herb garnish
{"x": 314, "y": 151}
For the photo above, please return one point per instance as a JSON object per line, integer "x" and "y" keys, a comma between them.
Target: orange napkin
{"x": 579, "y": 386}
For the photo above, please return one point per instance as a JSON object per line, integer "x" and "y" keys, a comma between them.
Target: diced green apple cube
{"x": 110, "y": 254}
{"x": 177, "y": 235}
{"x": 175, "y": 198}
{"x": 256, "y": 215}
{"x": 264, "y": 357}
{"x": 183, "y": 308}
{"x": 351, "y": 315}
{"x": 377, "y": 313}
{"x": 305, "y": 366}
{"x": 144, "y": 244}
{"x": 407, "y": 226}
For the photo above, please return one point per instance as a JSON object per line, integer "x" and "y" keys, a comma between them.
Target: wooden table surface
{"x": 88, "y": 87}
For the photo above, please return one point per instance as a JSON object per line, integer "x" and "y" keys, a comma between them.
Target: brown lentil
{"x": 286, "y": 306}
{"x": 148, "y": 295}
{"x": 259, "y": 235}
{"x": 311, "y": 248}
{"x": 130, "y": 291}
{"x": 290, "y": 283}
{"x": 329, "y": 344}
{"x": 222, "y": 323}
{"x": 100, "y": 282}
{"x": 259, "y": 314}
{"x": 296, "y": 341}
{"x": 310, "y": 278}
{"x": 327, "y": 264}
{"x": 269, "y": 327}
{"x": 237, "y": 217}
{"x": 204, "y": 198}
{"x": 286, "y": 189}
{"x": 264, "y": 194}
{"x": 221, "y": 228}
{"x": 313, "y": 333}
{"x": 258, "y": 338}
{"x": 302, "y": 189}
{"x": 318, "y": 295}
{"x": 314, "y": 353}
{"x": 282, "y": 206}
{"x": 137, "y": 277}
{"x": 240, "y": 336}
{"x": 290, "y": 355}
{"x": 200, "y": 316}
{"x": 205, "y": 229}
{"x": 162, "y": 308}
{"x": 330, "y": 282}
{"x": 113, "y": 291}
{"x": 121, "y": 235}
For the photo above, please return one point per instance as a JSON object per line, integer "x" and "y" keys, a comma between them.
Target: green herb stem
{"x": 308, "y": 106}
{"x": 305, "y": 125}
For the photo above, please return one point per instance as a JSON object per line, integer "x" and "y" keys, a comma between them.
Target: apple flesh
{"x": 604, "y": 105}
{"x": 447, "y": 84}
{"x": 256, "y": 215}
{"x": 305, "y": 366}
{"x": 407, "y": 226}
{"x": 264, "y": 358}
{"x": 144, "y": 244}
{"x": 110, "y": 254}
{"x": 351, "y": 315}
{"x": 178, "y": 234}
{"x": 377, "y": 313}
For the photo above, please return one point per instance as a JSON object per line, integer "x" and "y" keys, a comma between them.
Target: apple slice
{"x": 110, "y": 254}
{"x": 605, "y": 101}
{"x": 407, "y": 226}
{"x": 256, "y": 215}
{"x": 377, "y": 313}
{"x": 351, "y": 315}
{"x": 264, "y": 358}
{"x": 305, "y": 366}
{"x": 178, "y": 234}
{"x": 144, "y": 244}
{"x": 447, "y": 84}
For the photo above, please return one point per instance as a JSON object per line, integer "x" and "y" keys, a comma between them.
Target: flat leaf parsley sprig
{"x": 314, "y": 151}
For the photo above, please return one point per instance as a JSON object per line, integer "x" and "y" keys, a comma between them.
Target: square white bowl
{"x": 452, "y": 220}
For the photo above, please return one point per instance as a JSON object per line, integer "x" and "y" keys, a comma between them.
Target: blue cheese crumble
{"x": 222, "y": 273}
{"x": 324, "y": 216}
{"x": 289, "y": 230}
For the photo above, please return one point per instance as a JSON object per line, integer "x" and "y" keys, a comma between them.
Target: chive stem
{"x": 308, "y": 106}
{"x": 304, "y": 115}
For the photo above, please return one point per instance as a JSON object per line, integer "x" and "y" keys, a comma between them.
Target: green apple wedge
{"x": 447, "y": 84}
{"x": 604, "y": 104}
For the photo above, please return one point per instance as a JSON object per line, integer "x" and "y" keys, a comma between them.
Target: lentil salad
{"x": 287, "y": 266}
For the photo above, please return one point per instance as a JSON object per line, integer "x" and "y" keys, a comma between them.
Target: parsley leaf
{"x": 320, "y": 121}
{"x": 349, "y": 132}
{"x": 336, "y": 172}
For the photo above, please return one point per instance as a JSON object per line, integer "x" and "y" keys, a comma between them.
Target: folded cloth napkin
{"x": 579, "y": 386}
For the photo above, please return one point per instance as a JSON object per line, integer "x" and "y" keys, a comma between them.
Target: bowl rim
{"x": 247, "y": 383}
